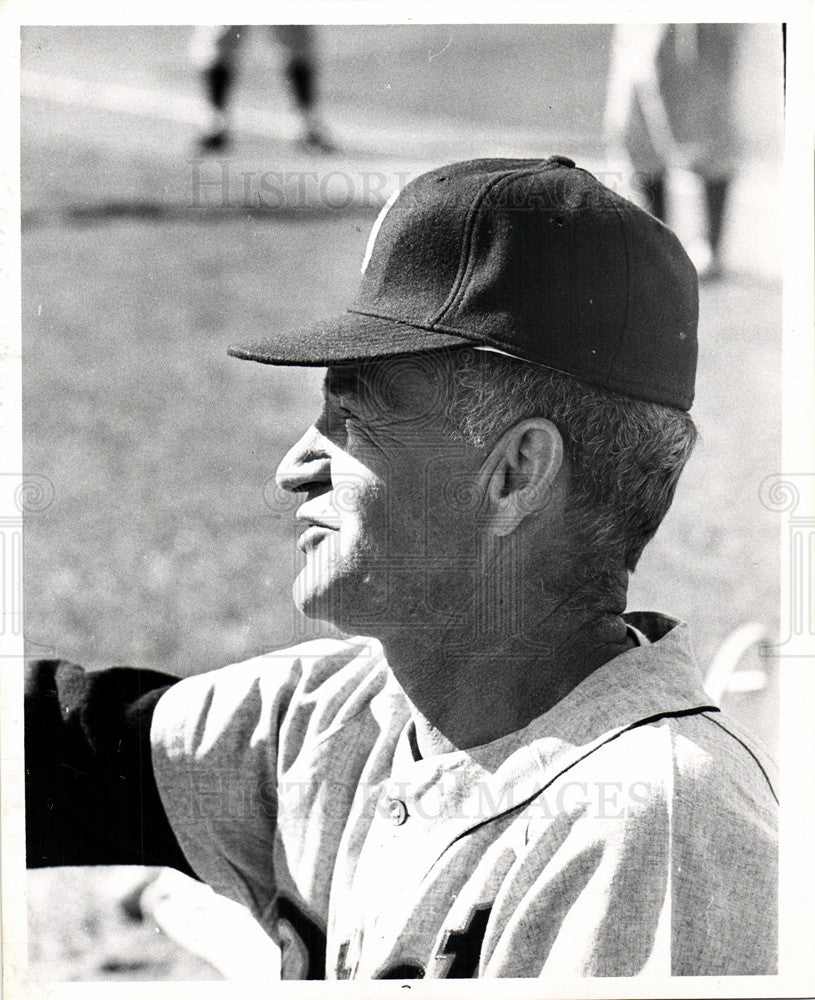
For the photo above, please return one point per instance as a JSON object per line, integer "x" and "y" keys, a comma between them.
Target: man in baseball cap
{"x": 499, "y": 772}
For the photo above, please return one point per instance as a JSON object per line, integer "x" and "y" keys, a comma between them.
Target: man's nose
{"x": 307, "y": 465}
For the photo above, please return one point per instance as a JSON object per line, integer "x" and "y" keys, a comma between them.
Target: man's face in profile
{"x": 387, "y": 514}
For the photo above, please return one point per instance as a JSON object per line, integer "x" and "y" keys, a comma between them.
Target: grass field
{"x": 160, "y": 547}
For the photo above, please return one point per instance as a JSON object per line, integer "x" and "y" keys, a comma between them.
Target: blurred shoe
{"x": 215, "y": 132}
{"x": 317, "y": 142}
{"x": 213, "y": 142}
{"x": 707, "y": 264}
{"x": 311, "y": 135}
{"x": 711, "y": 272}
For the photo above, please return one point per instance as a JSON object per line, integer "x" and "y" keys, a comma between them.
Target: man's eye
{"x": 346, "y": 406}
{"x": 341, "y": 412}
{"x": 336, "y": 418}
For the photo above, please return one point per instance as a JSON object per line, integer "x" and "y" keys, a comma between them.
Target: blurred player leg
{"x": 653, "y": 187}
{"x": 297, "y": 42}
{"x": 214, "y": 51}
{"x": 669, "y": 106}
{"x": 716, "y": 191}
{"x": 697, "y": 72}
{"x": 630, "y": 135}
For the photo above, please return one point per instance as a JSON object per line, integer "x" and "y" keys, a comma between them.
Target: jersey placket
{"x": 407, "y": 834}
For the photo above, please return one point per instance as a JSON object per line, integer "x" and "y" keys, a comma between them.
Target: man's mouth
{"x": 316, "y": 529}
{"x": 312, "y": 536}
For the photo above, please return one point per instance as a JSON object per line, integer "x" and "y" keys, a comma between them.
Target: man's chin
{"x": 309, "y": 605}
{"x": 349, "y": 608}
{"x": 322, "y": 603}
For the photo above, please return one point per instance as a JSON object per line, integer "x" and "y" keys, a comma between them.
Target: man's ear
{"x": 520, "y": 473}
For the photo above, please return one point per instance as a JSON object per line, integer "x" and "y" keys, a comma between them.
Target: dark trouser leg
{"x": 716, "y": 191}
{"x": 300, "y": 78}
{"x": 218, "y": 80}
{"x": 214, "y": 51}
{"x": 301, "y": 72}
{"x": 653, "y": 187}
{"x": 298, "y": 44}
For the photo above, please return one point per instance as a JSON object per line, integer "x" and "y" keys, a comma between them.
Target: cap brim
{"x": 352, "y": 337}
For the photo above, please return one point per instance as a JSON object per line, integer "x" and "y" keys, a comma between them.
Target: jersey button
{"x": 397, "y": 811}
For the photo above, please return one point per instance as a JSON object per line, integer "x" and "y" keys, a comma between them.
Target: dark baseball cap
{"x": 533, "y": 258}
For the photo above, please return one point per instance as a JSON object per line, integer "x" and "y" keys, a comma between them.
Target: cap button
{"x": 564, "y": 161}
{"x": 397, "y": 811}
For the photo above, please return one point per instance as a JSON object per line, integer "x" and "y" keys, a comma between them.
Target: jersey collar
{"x": 452, "y": 793}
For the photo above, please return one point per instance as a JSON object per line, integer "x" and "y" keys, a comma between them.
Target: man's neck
{"x": 467, "y": 690}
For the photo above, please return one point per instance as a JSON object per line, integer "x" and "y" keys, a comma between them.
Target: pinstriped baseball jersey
{"x": 629, "y": 829}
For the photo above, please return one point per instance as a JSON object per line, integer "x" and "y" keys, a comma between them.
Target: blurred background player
{"x": 215, "y": 51}
{"x": 669, "y": 109}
